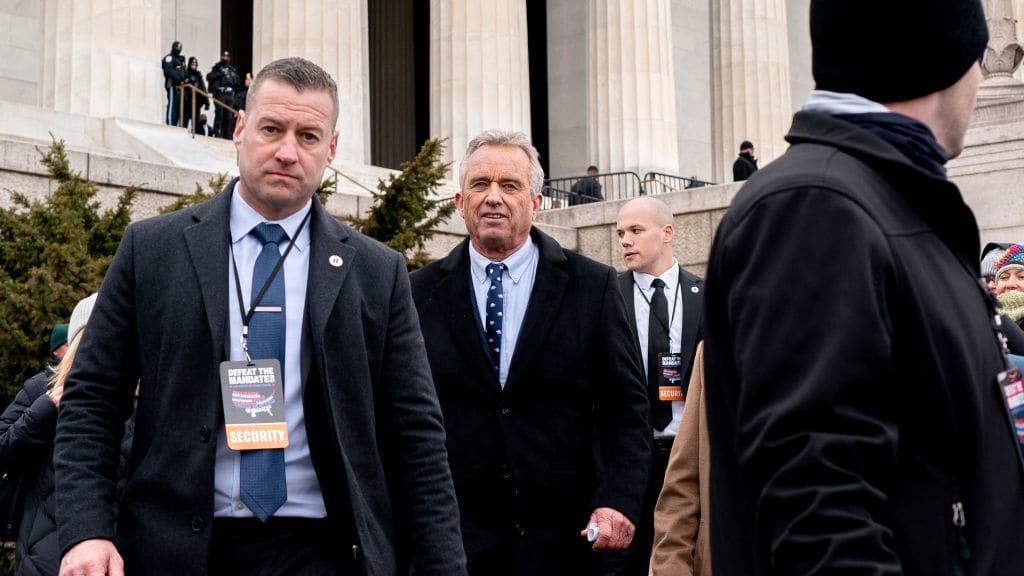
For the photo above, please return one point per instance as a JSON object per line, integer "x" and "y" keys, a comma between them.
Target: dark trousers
{"x": 279, "y": 547}
{"x": 224, "y": 121}
{"x": 635, "y": 560}
{"x": 171, "y": 118}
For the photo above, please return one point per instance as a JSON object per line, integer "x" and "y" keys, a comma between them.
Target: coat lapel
{"x": 455, "y": 300}
{"x": 206, "y": 241}
{"x": 330, "y": 260}
{"x": 626, "y": 289}
{"x": 693, "y": 311}
{"x": 549, "y": 289}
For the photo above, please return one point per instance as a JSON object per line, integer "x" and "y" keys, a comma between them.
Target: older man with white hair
{"x": 533, "y": 361}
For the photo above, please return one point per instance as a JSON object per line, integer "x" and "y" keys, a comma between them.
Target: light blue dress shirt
{"x": 304, "y": 496}
{"x": 642, "y": 294}
{"x": 521, "y": 269}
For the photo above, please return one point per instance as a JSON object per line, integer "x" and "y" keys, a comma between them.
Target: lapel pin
{"x": 694, "y": 289}
{"x": 335, "y": 260}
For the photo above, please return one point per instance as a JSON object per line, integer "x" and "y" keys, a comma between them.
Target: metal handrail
{"x": 195, "y": 89}
{"x": 611, "y": 186}
{"x": 558, "y": 193}
{"x": 672, "y": 183}
{"x": 338, "y": 173}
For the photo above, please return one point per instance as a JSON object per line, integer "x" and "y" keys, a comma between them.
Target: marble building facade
{"x": 636, "y": 85}
{"x": 629, "y": 85}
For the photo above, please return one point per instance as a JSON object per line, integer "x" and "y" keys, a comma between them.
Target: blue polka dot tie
{"x": 494, "y": 311}
{"x": 262, "y": 481}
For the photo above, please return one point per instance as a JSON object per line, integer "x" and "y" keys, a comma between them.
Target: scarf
{"x": 1012, "y": 304}
{"x": 911, "y": 137}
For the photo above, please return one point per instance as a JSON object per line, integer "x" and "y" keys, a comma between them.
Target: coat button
{"x": 197, "y": 524}
{"x": 204, "y": 434}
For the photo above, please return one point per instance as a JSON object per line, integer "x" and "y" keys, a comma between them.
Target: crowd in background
{"x": 224, "y": 89}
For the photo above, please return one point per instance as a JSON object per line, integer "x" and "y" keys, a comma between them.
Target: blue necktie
{"x": 262, "y": 480}
{"x": 493, "y": 314}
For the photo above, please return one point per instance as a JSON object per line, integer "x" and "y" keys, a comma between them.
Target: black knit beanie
{"x": 895, "y": 50}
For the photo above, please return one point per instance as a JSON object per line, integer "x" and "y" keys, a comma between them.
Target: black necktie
{"x": 657, "y": 343}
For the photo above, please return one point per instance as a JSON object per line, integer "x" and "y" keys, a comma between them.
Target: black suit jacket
{"x": 374, "y": 423}
{"x": 522, "y": 458}
{"x": 692, "y": 290}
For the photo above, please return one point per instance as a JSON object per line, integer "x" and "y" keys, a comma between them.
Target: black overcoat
{"x": 373, "y": 420}
{"x": 523, "y": 459}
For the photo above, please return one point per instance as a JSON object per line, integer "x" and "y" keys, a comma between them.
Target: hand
{"x": 94, "y": 557}
{"x": 55, "y": 396}
{"x": 615, "y": 531}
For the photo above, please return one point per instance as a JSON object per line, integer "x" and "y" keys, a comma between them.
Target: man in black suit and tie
{"x": 534, "y": 367}
{"x": 286, "y": 422}
{"x": 664, "y": 304}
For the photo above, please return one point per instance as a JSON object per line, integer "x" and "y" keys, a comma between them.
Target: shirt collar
{"x": 517, "y": 262}
{"x": 244, "y": 218}
{"x": 670, "y": 277}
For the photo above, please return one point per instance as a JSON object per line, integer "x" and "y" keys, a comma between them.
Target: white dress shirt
{"x": 642, "y": 293}
{"x": 521, "y": 269}
{"x": 304, "y": 496}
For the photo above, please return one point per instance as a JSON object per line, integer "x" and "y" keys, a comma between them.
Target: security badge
{"x": 670, "y": 377}
{"x": 253, "y": 400}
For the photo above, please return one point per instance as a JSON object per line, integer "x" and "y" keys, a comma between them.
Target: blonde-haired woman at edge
{"x": 682, "y": 520}
{"x": 27, "y": 430}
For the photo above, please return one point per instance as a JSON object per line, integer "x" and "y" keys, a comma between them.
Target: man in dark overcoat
{"x": 539, "y": 380}
{"x": 260, "y": 272}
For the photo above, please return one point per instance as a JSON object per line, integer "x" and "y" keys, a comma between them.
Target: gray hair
{"x": 300, "y": 74}
{"x": 506, "y": 138}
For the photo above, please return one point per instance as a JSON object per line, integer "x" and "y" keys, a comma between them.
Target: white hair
{"x": 506, "y": 138}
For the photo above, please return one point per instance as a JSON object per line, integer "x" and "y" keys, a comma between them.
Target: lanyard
{"x": 247, "y": 316}
{"x": 675, "y": 302}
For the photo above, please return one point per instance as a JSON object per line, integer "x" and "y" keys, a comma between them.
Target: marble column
{"x": 196, "y": 24}
{"x": 631, "y": 98}
{"x": 1004, "y": 52}
{"x": 479, "y": 70}
{"x": 102, "y": 58}
{"x": 750, "y": 80}
{"x": 334, "y": 35}
{"x": 1018, "y": 13}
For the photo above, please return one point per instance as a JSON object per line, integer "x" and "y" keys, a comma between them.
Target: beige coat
{"x": 682, "y": 545}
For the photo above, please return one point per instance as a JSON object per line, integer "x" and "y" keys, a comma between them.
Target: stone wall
{"x": 697, "y": 212}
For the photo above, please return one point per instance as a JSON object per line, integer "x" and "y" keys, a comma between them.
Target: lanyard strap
{"x": 247, "y": 316}
{"x": 675, "y": 302}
